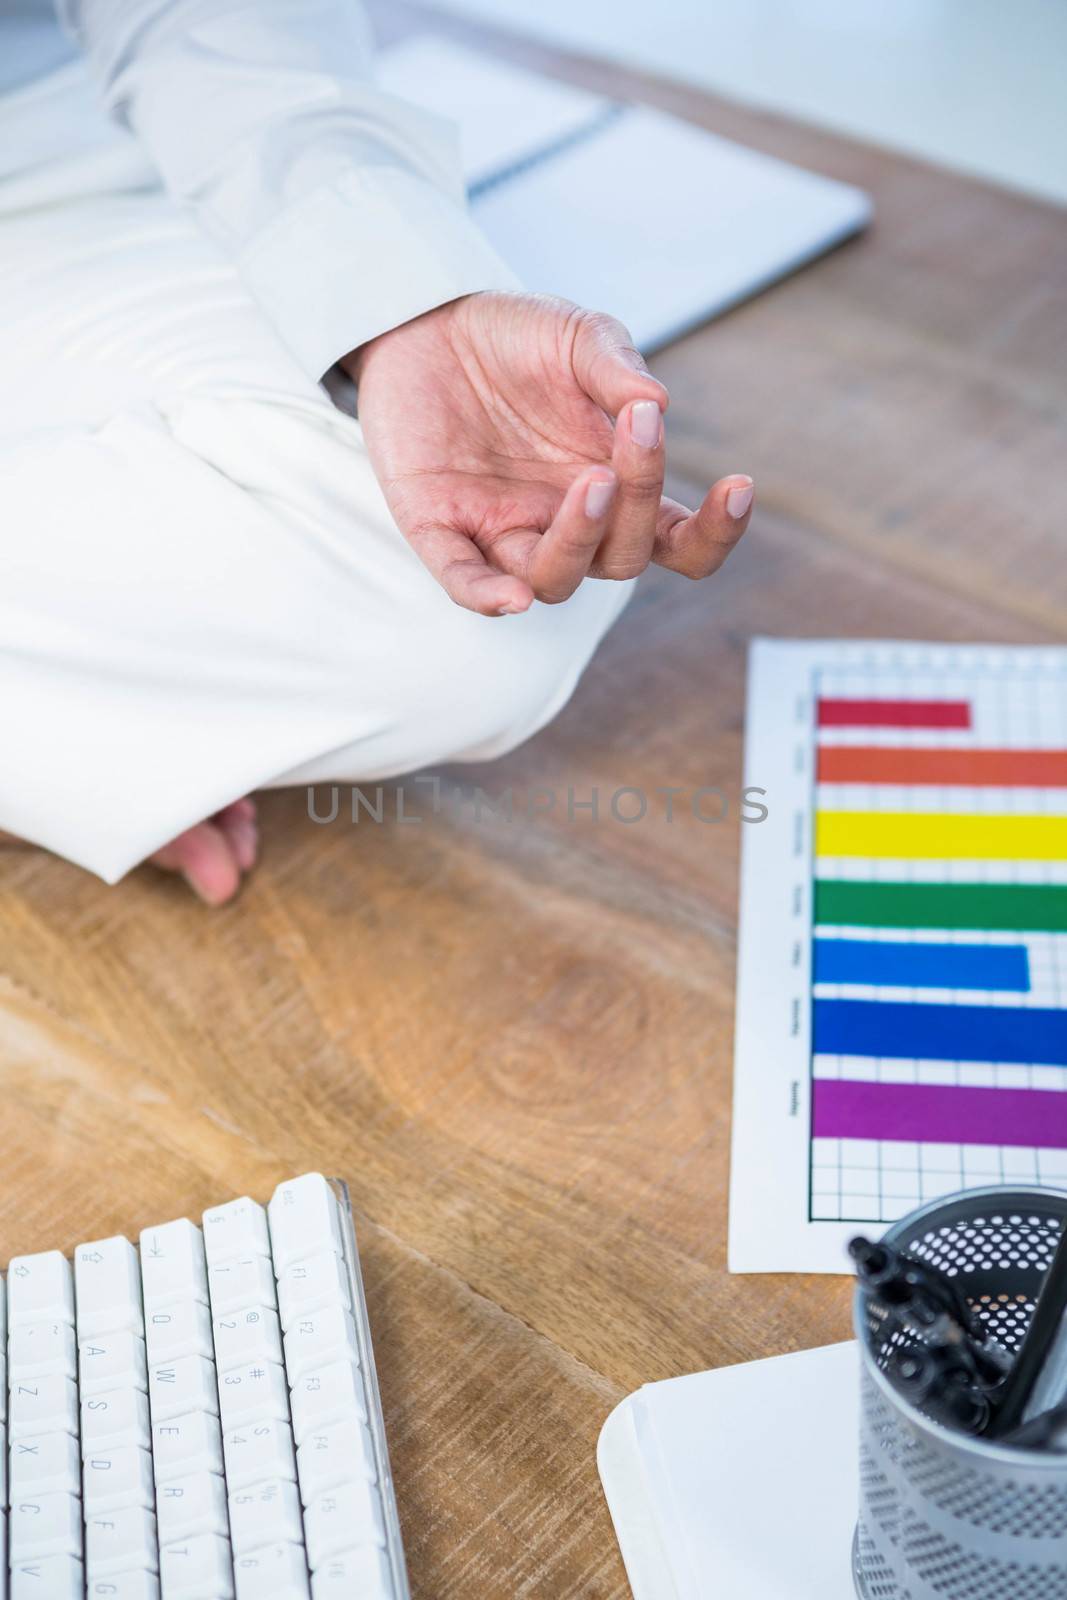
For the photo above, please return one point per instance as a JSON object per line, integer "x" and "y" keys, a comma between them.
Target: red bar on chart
{"x": 837, "y": 713}
{"x": 1000, "y": 769}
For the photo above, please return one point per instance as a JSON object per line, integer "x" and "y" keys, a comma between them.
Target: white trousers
{"x": 203, "y": 592}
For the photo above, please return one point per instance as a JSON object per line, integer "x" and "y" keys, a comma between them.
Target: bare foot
{"x": 214, "y": 856}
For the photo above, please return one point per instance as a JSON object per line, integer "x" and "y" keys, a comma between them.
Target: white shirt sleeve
{"x": 343, "y": 206}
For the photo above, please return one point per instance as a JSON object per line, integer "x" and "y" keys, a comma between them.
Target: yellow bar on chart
{"x": 940, "y": 836}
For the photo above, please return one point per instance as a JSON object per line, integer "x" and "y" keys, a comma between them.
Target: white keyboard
{"x": 197, "y": 1417}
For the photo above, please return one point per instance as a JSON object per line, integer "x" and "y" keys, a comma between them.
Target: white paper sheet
{"x": 504, "y": 113}
{"x": 828, "y": 1143}
{"x": 738, "y": 1484}
{"x": 714, "y": 222}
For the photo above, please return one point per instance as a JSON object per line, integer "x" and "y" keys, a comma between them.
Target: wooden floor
{"x": 514, "y": 1041}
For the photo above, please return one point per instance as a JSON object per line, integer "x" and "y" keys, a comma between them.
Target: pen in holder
{"x": 947, "y": 1514}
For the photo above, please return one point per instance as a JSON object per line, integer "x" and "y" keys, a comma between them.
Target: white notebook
{"x": 619, "y": 207}
{"x": 738, "y": 1484}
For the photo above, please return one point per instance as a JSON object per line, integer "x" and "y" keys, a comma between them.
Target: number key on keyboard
{"x": 260, "y": 1450}
{"x": 238, "y": 1228}
{"x": 247, "y": 1336}
{"x": 255, "y": 1391}
{"x": 264, "y": 1513}
{"x": 275, "y": 1572}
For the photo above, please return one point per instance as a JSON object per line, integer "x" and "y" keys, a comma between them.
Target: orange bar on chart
{"x": 1002, "y": 769}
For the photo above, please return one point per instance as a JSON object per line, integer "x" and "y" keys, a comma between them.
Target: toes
{"x": 237, "y": 824}
{"x": 207, "y": 861}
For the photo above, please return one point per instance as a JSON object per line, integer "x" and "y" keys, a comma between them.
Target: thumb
{"x": 609, "y": 368}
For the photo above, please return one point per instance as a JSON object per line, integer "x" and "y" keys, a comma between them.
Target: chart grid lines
{"x": 939, "y": 842}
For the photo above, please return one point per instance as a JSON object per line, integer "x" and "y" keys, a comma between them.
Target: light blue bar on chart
{"x": 922, "y": 965}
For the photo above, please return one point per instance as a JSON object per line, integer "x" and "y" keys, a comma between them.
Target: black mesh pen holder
{"x": 945, "y": 1515}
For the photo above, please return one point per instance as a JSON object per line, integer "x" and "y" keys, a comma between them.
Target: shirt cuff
{"x": 362, "y": 254}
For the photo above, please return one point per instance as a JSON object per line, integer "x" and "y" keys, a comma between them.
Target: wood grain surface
{"x": 514, "y": 1039}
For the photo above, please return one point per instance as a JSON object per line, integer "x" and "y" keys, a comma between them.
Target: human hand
{"x": 519, "y": 444}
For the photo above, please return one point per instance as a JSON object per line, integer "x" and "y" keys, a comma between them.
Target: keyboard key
{"x": 319, "y": 1280}
{"x": 332, "y": 1455}
{"x": 303, "y": 1220}
{"x": 134, "y": 1585}
{"x": 51, "y": 1578}
{"x": 187, "y": 1384}
{"x": 264, "y": 1513}
{"x": 245, "y": 1281}
{"x": 331, "y": 1394}
{"x": 40, "y": 1288}
{"x": 363, "y": 1573}
{"x": 116, "y": 1418}
{"x": 107, "y": 1287}
{"x": 118, "y": 1540}
{"x": 343, "y": 1519}
{"x": 42, "y": 1405}
{"x": 185, "y": 1444}
{"x": 196, "y": 1569}
{"x": 275, "y": 1572}
{"x": 45, "y": 1463}
{"x": 318, "y": 1338}
{"x": 247, "y": 1336}
{"x": 191, "y": 1505}
{"x": 45, "y": 1525}
{"x": 118, "y": 1478}
{"x": 247, "y": 1394}
{"x": 112, "y": 1361}
{"x": 38, "y": 1348}
{"x": 181, "y": 1329}
{"x": 173, "y": 1269}
{"x": 261, "y": 1450}
{"x": 238, "y": 1228}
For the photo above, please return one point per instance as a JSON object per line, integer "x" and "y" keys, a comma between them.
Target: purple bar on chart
{"x": 939, "y": 1113}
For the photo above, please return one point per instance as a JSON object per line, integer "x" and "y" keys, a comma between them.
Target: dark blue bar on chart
{"x": 913, "y": 1031}
{"x": 916, "y": 965}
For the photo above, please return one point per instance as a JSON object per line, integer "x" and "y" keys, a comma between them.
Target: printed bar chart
{"x": 902, "y": 971}
{"x": 938, "y": 1017}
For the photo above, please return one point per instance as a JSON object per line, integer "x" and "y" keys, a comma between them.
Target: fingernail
{"x": 646, "y": 424}
{"x": 598, "y": 497}
{"x": 739, "y": 498}
{"x": 510, "y": 610}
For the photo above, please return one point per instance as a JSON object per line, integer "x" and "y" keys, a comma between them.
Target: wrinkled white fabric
{"x": 264, "y": 119}
{"x": 202, "y": 590}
